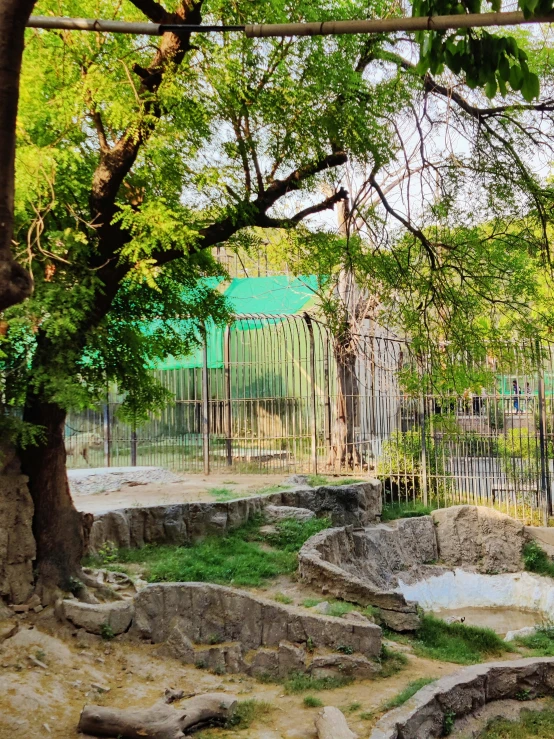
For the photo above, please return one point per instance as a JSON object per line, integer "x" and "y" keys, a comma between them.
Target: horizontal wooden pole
{"x": 326, "y": 28}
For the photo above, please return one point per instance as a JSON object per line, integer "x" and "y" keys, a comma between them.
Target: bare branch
{"x": 152, "y": 10}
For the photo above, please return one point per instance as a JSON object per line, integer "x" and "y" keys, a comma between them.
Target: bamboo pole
{"x": 382, "y": 25}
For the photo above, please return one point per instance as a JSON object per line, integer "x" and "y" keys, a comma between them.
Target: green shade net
{"x": 270, "y": 296}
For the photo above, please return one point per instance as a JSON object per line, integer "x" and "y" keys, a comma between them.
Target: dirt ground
{"x": 46, "y": 701}
{"x": 191, "y": 487}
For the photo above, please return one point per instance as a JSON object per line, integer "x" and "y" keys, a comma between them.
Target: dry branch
{"x": 160, "y": 721}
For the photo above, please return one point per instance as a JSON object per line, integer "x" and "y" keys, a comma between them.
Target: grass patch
{"x": 541, "y": 642}
{"x": 538, "y": 724}
{"x": 464, "y": 645}
{"x": 392, "y": 511}
{"x": 282, "y": 598}
{"x": 246, "y": 712}
{"x": 351, "y": 707}
{"x": 311, "y": 701}
{"x": 222, "y": 493}
{"x": 406, "y": 694}
{"x": 234, "y": 559}
{"x": 367, "y": 715}
{"x": 537, "y": 560}
{"x": 391, "y": 661}
{"x": 298, "y": 682}
{"x": 311, "y": 602}
{"x": 291, "y": 534}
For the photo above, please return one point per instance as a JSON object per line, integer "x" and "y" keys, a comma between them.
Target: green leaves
{"x": 489, "y": 61}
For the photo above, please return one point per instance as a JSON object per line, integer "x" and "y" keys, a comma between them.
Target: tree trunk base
{"x": 160, "y": 721}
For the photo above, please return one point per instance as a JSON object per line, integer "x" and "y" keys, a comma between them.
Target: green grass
{"x": 539, "y": 724}
{"x": 392, "y": 511}
{"x": 541, "y": 642}
{"x": 311, "y": 701}
{"x": 247, "y": 711}
{"x": 537, "y": 560}
{"x": 223, "y": 493}
{"x": 292, "y": 534}
{"x": 234, "y": 559}
{"x": 282, "y": 598}
{"x": 391, "y": 661}
{"x": 351, "y": 707}
{"x": 311, "y": 602}
{"x": 406, "y": 694}
{"x": 298, "y": 682}
{"x": 464, "y": 645}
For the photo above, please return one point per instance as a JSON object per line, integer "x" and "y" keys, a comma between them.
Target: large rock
{"x": 343, "y": 665}
{"x": 282, "y": 512}
{"x": 479, "y": 537}
{"x": 208, "y": 614}
{"x": 357, "y": 505}
{"x": 433, "y": 708}
{"x": 17, "y": 545}
{"x": 96, "y": 617}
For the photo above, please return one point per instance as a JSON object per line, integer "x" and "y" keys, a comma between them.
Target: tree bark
{"x": 15, "y": 282}
{"x": 331, "y": 724}
{"x": 160, "y": 721}
{"x": 58, "y": 528}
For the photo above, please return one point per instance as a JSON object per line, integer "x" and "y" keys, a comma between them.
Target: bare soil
{"x": 46, "y": 702}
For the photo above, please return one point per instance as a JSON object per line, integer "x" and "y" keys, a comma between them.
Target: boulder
{"x": 479, "y": 537}
{"x": 265, "y": 663}
{"x": 291, "y": 659}
{"x": 95, "y": 617}
{"x": 347, "y": 665}
{"x": 281, "y": 512}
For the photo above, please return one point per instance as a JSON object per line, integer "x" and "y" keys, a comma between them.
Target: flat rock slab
{"x": 282, "y": 512}
{"x": 97, "y": 617}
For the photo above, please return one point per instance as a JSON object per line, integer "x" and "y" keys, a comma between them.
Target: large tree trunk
{"x": 15, "y": 282}
{"x": 57, "y": 526}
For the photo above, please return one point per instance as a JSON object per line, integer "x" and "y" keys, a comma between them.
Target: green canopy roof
{"x": 272, "y": 296}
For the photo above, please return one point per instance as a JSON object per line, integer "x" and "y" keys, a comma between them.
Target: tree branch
{"x": 152, "y": 10}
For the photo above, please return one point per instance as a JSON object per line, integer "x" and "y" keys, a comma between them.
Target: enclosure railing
{"x": 275, "y": 394}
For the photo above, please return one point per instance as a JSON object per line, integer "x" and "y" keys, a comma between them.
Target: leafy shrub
{"x": 535, "y": 559}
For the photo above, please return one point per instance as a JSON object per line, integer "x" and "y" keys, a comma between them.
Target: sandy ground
{"x": 39, "y": 702}
{"x": 191, "y": 487}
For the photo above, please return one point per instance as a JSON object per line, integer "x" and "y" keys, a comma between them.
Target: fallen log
{"x": 331, "y": 724}
{"x": 160, "y": 721}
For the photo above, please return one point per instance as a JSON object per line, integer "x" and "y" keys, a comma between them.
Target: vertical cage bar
{"x": 545, "y": 476}
{"x": 227, "y": 390}
{"x": 205, "y": 407}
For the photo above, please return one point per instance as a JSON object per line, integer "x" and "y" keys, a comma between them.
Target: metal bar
{"x": 380, "y": 25}
{"x": 227, "y": 390}
{"x": 134, "y": 447}
{"x": 205, "y": 408}
{"x": 389, "y": 25}
{"x": 545, "y": 477}
{"x": 107, "y": 435}
{"x": 313, "y": 409}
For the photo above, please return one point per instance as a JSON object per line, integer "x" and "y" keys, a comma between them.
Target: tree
{"x": 15, "y": 281}
{"x": 134, "y": 161}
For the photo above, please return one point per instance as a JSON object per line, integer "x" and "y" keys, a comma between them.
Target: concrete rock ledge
{"x": 230, "y": 630}
{"x": 433, "y": 708}
{"x": 358, "y": 504}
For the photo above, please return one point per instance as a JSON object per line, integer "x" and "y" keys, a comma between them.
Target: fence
{"x": 274, "y": 394}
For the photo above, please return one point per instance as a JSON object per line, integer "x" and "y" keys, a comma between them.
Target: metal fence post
{"x": 107, "y": 431}
{"x": 205, "y": 408}
{"x": 545, "y": 471}
{"x": 423, "y": 458}
{"x": 227, "y": 380}
{"x": 134, "y": 446}
{"x": 313, "y": 414}
{"x": 327, "y": 390}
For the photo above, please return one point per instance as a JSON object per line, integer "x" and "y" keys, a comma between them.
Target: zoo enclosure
{"x": 269, "y": 393}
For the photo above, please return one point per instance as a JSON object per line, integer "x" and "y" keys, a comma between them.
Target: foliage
{"x": 106, "y": 631}
{"x": 541, "y": 642}
{"x": 235, "y": 558}
{"x": 400, "y": 467}
{"x": 539, "y": 724}
{"x": 282, "y": 598}
{"x": 519, "y": 453}
{"x": 456, "y": 642}
{"x": 248, "y": 711}
{"x": 392, "y": 511}
{"x": 391, "y": 661}
{"x": 311, "y": 701}
{"x": 407, "y": 692}
{"x": 299, "y": 682}
{"x": 291, "y": 534}
{"x": 537, "y": 560}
